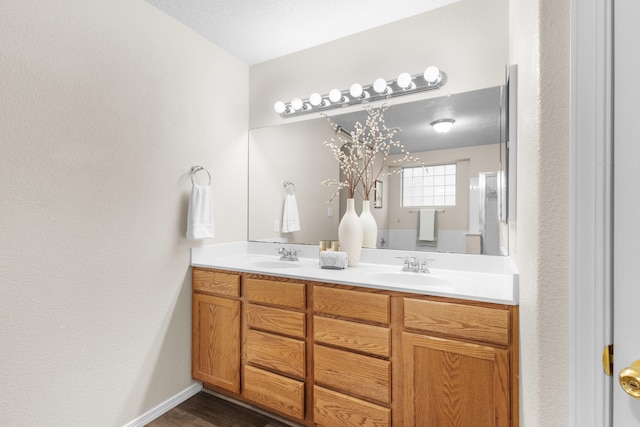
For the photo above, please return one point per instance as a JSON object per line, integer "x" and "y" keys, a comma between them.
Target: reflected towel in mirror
{"x": 290, "y": 216}
{"x": 200, "y": 215}
{"x": 427, "y": 225}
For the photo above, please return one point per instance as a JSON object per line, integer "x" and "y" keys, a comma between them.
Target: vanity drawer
{"x": 215, "y": 282}
{"x": 274, "y": 391}
{"x": 359, "y": 337}
{"x": 271, "y": 292}
{"x": 331, "y": 408}
{"x": 352, "y": 304}
{"x": 286, "y": 355}
{"x": 285, "y": 322}
{"x": 490, "y": 325}
{"x": 352, "y": 373}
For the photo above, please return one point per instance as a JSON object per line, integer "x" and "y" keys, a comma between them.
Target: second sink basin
{"x": 426, "y": 280}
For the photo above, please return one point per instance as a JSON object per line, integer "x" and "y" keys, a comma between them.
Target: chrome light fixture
{"x": 442, "y": 125}
{"x": 431, "y": 79}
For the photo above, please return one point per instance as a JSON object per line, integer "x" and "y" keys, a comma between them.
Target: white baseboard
{"x": 165, "y": 406}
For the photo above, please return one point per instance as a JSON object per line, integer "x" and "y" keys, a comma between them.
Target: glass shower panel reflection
{"x": 489, "y": 213}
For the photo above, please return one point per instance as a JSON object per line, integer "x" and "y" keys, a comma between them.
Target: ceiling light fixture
{"x": 432, "y": 78}
{"x": 442, "y": 125}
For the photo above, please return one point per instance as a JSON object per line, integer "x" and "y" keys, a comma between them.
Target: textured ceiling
{"x": 259, "y": 30}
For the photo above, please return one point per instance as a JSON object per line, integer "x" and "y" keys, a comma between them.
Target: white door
{"x": 626, "y": 175}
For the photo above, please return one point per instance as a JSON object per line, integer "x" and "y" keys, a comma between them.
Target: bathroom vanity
{"x": 350, "y": 347}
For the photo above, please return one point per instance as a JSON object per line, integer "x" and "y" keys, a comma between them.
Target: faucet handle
{"x": 405, "y": 263}
{"x": 424, "y": 265}
{"x": 284, "y": 253}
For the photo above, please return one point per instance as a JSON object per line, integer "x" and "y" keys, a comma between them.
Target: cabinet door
{"x": 453, "y": 383}
{"x": 216, "y": 341}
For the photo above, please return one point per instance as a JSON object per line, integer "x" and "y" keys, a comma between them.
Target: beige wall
{"x": 104, "y": 108}
{"x": 539, "y": 44}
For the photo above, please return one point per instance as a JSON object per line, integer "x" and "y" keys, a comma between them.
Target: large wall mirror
{"x": 474, "y": 223}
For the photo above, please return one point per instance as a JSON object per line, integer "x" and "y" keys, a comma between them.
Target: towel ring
{"x": 196, "y": 169}
{"x": 289, "y": 187}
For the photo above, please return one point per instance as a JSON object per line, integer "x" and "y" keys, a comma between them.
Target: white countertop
{"x": 473, "y": 277}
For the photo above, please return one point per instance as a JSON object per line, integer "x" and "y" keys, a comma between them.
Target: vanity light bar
{"x": 432, "y": 78}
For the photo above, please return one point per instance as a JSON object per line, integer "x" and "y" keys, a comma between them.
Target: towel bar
{"x": 196, "y": 169}
{"x": 437, "y": 210}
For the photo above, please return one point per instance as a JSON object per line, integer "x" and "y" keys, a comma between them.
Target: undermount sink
{"x": 409, "y": 279}
{"x": 274, "y": 264}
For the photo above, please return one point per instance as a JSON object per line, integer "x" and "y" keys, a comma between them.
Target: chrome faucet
{"x": 412, "y": 264}
{"x": 288, "y": 254}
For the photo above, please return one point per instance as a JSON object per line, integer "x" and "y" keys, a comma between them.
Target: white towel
{"x": 290, "y": 217}
{"x": 200, "y": 216}
{"x": 427, "y": 225}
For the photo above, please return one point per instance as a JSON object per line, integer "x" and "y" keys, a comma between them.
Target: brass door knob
{"x": 630, "y": 379}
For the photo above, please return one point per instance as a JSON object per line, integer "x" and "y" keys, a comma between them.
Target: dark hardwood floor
{"x": 205, "y": 410}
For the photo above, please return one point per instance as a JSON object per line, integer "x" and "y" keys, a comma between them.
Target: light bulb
{"x": 405, "y": 81}
{"x": 380, "y": 85}
{"x": 335, "y": 95}
{"x": 432, "y": 75}
{"x": 296, "y": 104}
{"x": 315, "y": 99}
{"x": 356, "y": 90}
{"x": 280, "y": 107}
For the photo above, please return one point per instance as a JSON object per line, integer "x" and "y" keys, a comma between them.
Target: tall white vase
{"x": 369, "y": 226}
{"x": 350, "y": 234}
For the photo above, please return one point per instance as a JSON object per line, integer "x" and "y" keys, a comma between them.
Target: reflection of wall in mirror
{"x": 453, "y": 224}
{"x": 292, "y": 152}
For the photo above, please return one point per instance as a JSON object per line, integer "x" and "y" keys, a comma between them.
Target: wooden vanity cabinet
{"x": 216, "y": 329}
{"x": 334, "y": 355}
{"x": 275, "y": 366}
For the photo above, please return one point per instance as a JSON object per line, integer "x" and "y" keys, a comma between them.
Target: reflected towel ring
{"x": 196, "y": 169}
{"x": 289, "y": 187}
